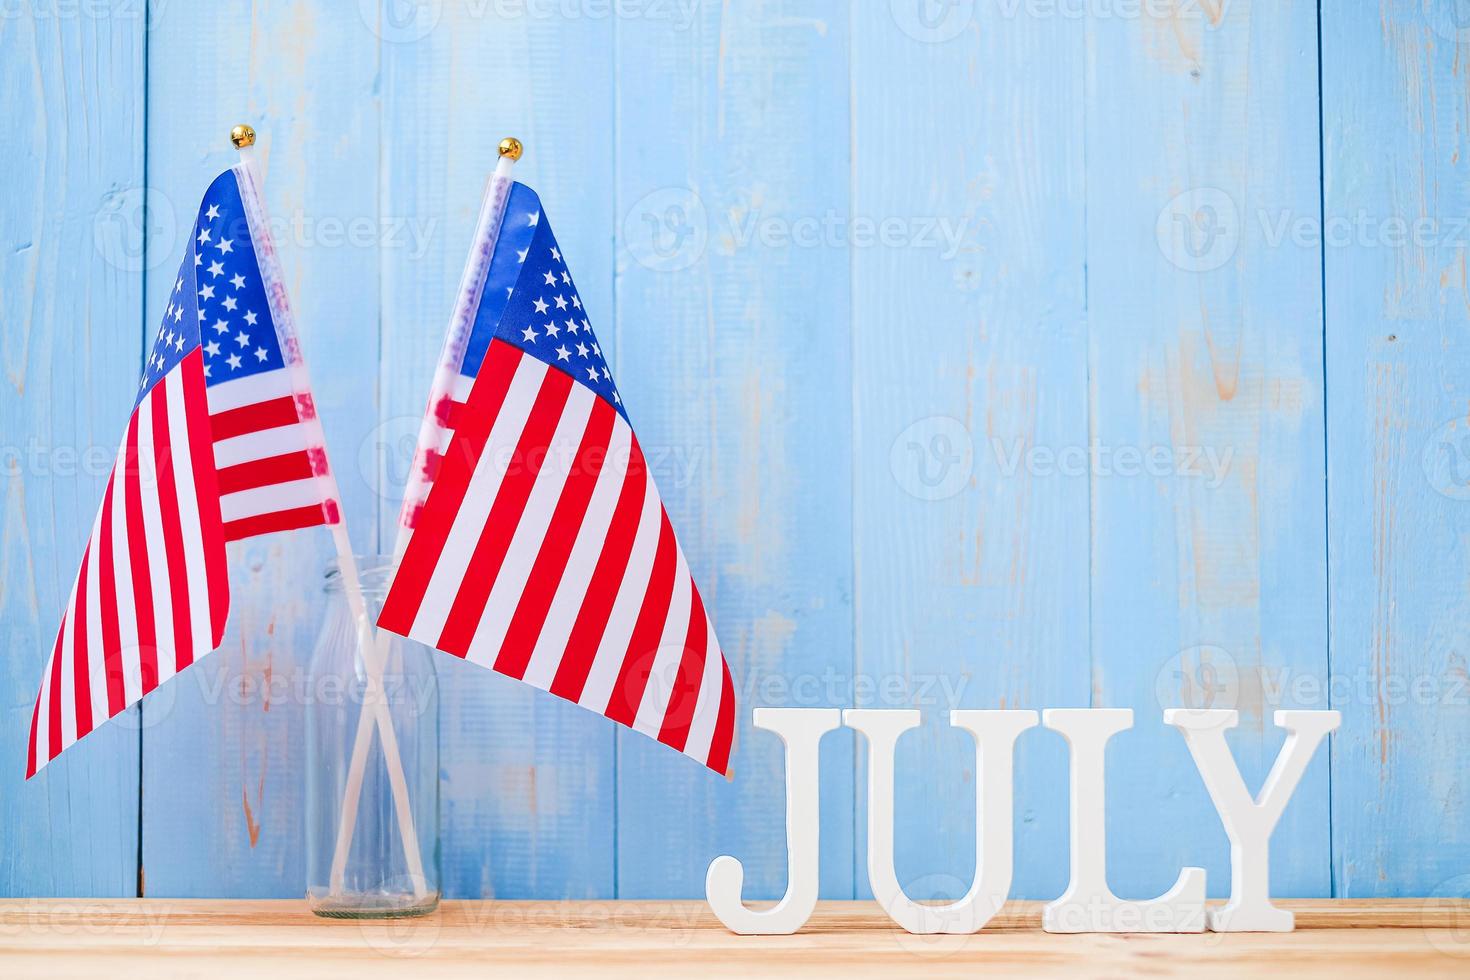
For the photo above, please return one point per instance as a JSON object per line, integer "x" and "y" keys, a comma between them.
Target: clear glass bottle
{"x": 377, "y": 875}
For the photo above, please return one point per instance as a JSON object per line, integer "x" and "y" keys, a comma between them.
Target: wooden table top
{"x": 159, "y": 937}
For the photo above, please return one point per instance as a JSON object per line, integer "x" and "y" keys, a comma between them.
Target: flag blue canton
{"x": 234, "y": 319}
{"x": 178, "y": 335}
{"x": 531, "y": 302}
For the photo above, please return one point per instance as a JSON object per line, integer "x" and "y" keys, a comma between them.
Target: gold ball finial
{"x": 511, "y": 147}
{"x": 242, "y": 136}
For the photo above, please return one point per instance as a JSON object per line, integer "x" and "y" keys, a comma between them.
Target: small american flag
{"x": 543, "y": 549}
{"x": 223, "y": 443}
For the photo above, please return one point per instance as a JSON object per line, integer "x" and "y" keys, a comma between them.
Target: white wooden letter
{"x": 1088, "y": 904}
{"x": 1249, "y": 822}
{"x": 995, "y": 734}
{"x": 801, "y": 729}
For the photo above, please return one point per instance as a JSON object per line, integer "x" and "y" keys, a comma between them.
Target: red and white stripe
{"x": 545, "y": 553}
{"x": 151, "y": 596}
{"x": 446, "y": 409}
{"x": 271, "y": 462}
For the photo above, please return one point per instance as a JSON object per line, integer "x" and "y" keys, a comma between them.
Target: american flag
{"x": 543, "y": 549}
{"x": 267, "y": 439}
{"x": 222, "y": 444}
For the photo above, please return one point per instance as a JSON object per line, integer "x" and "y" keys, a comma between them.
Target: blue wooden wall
{"x": 998, "y": 353}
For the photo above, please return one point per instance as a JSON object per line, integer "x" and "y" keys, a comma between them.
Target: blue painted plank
{"x": 969, "y": 347}
{"x": 1398, "y": 390}
{"x": 528, "y": 779}
{"x": 223, "y": 748}
{"x": 72, "y": 223}
{"x": 733, "y": 355}
{"x": 1208, "y": 555}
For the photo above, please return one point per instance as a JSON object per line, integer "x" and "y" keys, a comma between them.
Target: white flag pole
{"x": 374, "y": 703}
{"x": 451, "y": 358}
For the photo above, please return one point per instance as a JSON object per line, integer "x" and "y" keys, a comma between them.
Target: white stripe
{"x": 624, "y": 614}
{"x": 228, "y": 395}
{"x": 68, "y": 679}
{"x": 460, "y": 390}
{"x": 96, "y": 644}
{"x": 474, "y": 509}
{"x": 260, "y": 445}
{"x": 96, "y": 669}
{"x": 707, "y": 706}
{"x": 122, "y": 575}
{"x": 582, "y": 561}
{"x": 43, "y": 714}
{"x": 188, "y": 502}
{"x": 69, "y": 654}
{"x": 664, "y": 671}
{"x": 68, "y": 645}
{"x": 530, "y": 532}
{"x": 158, "y": 579}
{"x": 270, "y": 498}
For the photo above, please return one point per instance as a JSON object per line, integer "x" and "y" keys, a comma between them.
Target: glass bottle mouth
{"x": 375, "y": 572}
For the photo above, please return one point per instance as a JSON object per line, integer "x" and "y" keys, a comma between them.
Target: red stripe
{"x": 173, "y": 537}
{"x": 111, "y": 633}
{"x": 254, "y": 417}
{"x": 81, "y": 681}
{"x": 78, "y": 642}
{"x": 684, "y": 696}
{"x": 206, "y": 494}
{"x": 265, "y": 472}
{"x": 561, "y": 534}
{"x": 627, "y": 693}
{"x": 486, "y": 399}
{"x": 138, "y": 559}
{"x": 719, "y": 749}
{"x": 505, "y": 513}
{"x": 311, "y": 515}
{"x": 35, "y": 726}
{"x": 53, "y": 719}
{"x": 602, "y": 588}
